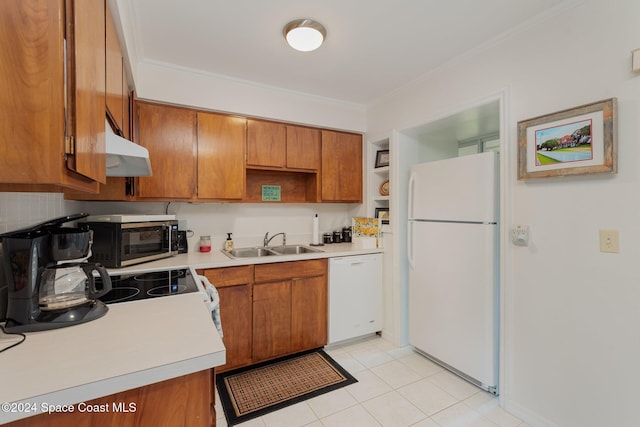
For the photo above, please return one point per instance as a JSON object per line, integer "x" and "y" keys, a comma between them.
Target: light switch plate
{"x": 609, "y": 241}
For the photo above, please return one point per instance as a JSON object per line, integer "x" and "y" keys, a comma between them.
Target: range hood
{"x": 124, "y": 158}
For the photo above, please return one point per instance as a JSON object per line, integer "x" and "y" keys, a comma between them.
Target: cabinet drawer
{"x": 290, "y": 270}
{"x": 229, "y": 276}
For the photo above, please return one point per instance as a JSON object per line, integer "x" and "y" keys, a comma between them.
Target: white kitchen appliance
{"x": 453, "y": 265}
{"x": 355, "y": 296}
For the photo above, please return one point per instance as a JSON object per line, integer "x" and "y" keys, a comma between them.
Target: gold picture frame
{"x": 576, "y": 141}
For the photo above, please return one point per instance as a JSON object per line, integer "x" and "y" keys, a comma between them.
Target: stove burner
{"x": 166, "y": 290}
{"x": 134, "y": 287}
{"x": 115, "y": 280}
{"x": 120, "y": 294}
{"x": 159, "y": 275}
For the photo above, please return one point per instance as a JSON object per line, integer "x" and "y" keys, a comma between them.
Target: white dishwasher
{"x": 355, "y": 296}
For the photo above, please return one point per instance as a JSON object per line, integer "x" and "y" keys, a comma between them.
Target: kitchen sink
{"x": 294, "y": 249}
{"x": 250, "y": 252}
{"x": 270, "y": 251}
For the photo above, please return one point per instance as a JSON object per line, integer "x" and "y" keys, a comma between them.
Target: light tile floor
{"x": 396, "y": 388}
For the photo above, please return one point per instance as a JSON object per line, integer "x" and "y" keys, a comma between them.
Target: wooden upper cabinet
{"x": 341, "y": 167}
{"x": 266, "y": 144}
{"x": 303, "y": 148}
{"x": 273, "y": 145}
{"x": 169, "y": 133}
{"x": 126, "y": 106}
{"x": 221, "y": 154}
{"x": 115, "y": 92}
{"x": 87, "y": 41}
{"x": 35, "y": 150}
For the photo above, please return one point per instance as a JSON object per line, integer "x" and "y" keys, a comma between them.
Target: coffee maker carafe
{"x": 49, "y": 283}
{"x": 70, "y": 285}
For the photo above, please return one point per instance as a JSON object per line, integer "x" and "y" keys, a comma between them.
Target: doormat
{"x": 251, "y": 392}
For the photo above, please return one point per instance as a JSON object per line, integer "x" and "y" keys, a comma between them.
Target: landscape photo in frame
{"x": 576, "y": 141}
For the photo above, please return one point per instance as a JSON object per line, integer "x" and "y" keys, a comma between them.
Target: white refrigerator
{"x": 453, "y": 265}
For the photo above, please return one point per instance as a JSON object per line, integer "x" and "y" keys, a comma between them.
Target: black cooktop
{"x": 131, "y": 287}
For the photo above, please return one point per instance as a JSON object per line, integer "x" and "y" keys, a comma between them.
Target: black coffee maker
{"x": 50, "y": 284}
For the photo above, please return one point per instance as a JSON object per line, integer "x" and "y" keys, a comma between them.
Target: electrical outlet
{"x": 609, "y": 241}
{"x": 520, "y": 235}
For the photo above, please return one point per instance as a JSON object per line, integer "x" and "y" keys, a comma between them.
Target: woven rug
{"x": 251, "y": 392}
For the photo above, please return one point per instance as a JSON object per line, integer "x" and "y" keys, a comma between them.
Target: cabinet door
{"x": 31, "y": 76}
{"x": 308, "y": 313}
{"x": 181, "y": 401}
{"x": 303, "y": 148}
{"x": 221, "y": 148}
{"x": 341, "y": 167}
{"x": 236, "y": 320}
{"x": 266, "y": 144}
{"x": 271, "y": 320}
{"x": 114, "y": 82}
{"x": 169, "y": 133}
{"x": 87, "y": 38}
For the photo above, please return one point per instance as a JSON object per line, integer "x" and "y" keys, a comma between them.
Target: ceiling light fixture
{"x": 304, "y": 34}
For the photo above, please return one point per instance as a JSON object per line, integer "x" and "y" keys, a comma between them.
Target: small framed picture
{"x": 382, "y": 158}
{"x": 383, "y": 214}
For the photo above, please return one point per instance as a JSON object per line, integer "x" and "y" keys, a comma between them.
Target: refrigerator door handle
{"x": 410, "y": 244}
{"x": 412, "y": 180}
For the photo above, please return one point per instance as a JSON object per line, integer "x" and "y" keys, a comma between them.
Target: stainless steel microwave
{"x": 123, "y": 240}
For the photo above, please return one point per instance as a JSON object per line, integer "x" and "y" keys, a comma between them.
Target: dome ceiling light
{"x": 304, "y": 34}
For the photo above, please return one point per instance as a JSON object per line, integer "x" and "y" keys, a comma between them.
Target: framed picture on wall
{"x": 383, "y": 214}
{"x": 382, "y": 158}
{"x": 577, "y": 141}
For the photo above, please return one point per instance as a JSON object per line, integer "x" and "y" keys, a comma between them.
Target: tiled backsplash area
{"x": 18, "y": 210}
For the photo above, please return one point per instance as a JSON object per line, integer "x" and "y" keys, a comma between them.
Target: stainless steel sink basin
{"x": 250, "y": 252}
{"x": 271, "y": 251}
{"x": 294, "y": 249}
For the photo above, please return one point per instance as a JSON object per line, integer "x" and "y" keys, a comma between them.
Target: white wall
{"x": 187, "y": 87}
{"x": 571, "y": 314}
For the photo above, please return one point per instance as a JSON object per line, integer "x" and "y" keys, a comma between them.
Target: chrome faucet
{"x": 267, "y": 239}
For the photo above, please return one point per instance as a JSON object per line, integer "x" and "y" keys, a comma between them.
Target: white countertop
{"x": 135, "y": 344}
{"x": 216, "y": 259}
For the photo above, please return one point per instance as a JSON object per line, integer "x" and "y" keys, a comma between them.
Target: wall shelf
{"x": 375, "y": 177}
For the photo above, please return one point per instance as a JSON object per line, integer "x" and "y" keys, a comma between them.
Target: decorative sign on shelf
{"x": 366, "y": 232}
{"x": 271, "y": 193}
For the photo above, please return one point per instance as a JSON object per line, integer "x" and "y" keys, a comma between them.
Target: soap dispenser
{"x": 228, "y": 244}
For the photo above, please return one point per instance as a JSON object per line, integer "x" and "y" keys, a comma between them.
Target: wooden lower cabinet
{"x": 290, "y": 308}
{"x": 235, "y": 288}
{"x": 185, "y": 401}
{"x": 309, "y": 310}
{"x": 271, "y": 310}
{"x": 271, "y": 320}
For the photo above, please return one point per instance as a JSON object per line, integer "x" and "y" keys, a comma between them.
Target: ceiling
{"x": 373, "y": 47}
